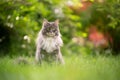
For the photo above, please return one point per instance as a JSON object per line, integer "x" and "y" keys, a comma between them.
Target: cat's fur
{"x": 49, "y": 42}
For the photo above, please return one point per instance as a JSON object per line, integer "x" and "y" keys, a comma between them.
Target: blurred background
{"x": 88, "y": 27}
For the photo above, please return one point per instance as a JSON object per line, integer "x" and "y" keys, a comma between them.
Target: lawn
{"x": 76, "y": 68}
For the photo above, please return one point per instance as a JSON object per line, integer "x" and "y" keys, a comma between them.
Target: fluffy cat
{"x": 49, "y": 42}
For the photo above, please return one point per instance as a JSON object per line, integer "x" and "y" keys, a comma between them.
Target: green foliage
{"x": 21, "y": 20}
{"x": 24, "y": 19}
{"x": 106, "y": 16}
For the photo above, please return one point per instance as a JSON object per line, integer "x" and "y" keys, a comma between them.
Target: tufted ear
{"x": 45, "y": 21}
{"x": 57, "y": 21}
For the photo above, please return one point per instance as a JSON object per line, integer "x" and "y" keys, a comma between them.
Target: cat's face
{"x": 50, "y": 29}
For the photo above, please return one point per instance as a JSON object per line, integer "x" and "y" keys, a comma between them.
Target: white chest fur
{"x": 50, "y": 44}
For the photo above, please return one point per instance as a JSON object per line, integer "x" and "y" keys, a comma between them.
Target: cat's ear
{"x": 57, "y": 21}
{"x": 45, "y": 21}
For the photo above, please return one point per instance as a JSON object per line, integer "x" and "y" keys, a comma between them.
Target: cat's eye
{"x": 48, "y": 29}
{"x": 54, "y": 30}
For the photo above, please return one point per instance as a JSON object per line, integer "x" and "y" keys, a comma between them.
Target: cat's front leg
{"x": 38, "y": 56}
{"x": 59, "y": 57}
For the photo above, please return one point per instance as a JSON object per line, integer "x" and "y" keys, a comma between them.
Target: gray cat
{"x": 49, "y": 42}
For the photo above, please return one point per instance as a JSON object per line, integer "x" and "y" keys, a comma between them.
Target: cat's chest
{"x": 49, "y": 44}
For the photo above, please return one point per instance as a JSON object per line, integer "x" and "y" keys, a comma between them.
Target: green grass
{"x": 76, "y": 68}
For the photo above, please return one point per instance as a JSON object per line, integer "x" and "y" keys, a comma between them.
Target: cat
{"x": 48, "y": 42}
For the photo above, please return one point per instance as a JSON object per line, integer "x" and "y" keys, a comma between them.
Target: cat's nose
{"x": 51, "y": 32}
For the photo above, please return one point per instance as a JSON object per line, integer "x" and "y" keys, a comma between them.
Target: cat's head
{"x": 50, "y": 29}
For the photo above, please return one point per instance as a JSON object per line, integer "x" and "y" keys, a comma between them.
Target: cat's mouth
{"x": 50, "y": 34}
